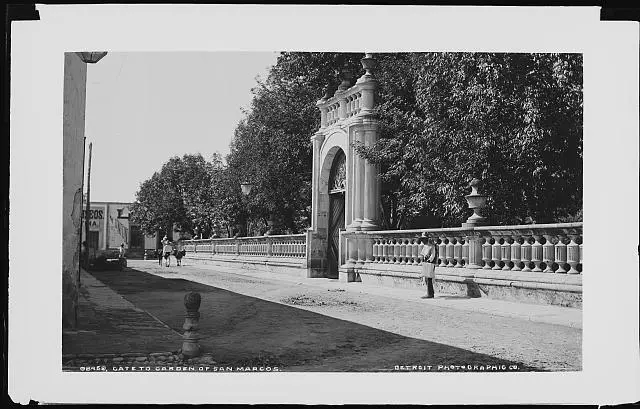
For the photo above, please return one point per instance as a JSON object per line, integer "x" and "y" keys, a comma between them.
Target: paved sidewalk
{"x": 109, "y": 324}
{"x": 549, "y": 314}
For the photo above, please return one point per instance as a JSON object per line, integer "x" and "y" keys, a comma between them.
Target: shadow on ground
{"x": 243, "y": 330}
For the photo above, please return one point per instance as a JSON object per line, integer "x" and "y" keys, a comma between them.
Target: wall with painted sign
{"x": 118, "y": 224}
{"x": 97, "y": 223}
{"x": 109, "y": 226}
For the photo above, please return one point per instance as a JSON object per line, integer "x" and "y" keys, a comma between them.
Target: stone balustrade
{"x": 353, "y": 104}
{"x": 345, "y": 104}
{"x": 280, "y": 246}
{"x": 333, "y": 113}
{"x": 546, "y": 248}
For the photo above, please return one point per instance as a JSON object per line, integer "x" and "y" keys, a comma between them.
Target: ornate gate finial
{"x": 347, "y": 78}
{"x": 369, "y": 64}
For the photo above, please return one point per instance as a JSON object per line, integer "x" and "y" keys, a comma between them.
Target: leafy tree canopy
{"x": 187, "y": 193}
{"x": 512, "y": 120}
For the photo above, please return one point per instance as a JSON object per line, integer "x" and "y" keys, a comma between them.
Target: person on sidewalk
{"x": 159, "y": 255}
{"x": 179, "y": 253}
{"x": 429, "y": 255}
{"x": 167, "y": 250}
{"x": 122, "y": 256}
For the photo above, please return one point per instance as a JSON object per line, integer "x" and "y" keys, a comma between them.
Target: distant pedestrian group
{"x": 167, "y": 250}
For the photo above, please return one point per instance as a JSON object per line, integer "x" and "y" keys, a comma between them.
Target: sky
{"x": 144, "y": 108}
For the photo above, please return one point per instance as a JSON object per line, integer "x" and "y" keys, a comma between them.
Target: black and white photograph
{"x": 265, "y": 213}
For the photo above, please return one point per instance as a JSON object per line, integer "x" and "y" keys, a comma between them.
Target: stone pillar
{"x": 476, "y": 202}
{"x": 358, "y": 185}
{"x": 347, "y": 272}
{"x": 317, "y": 140}
{"x": 190, "y": 346}
{"x": 370, "y": 181}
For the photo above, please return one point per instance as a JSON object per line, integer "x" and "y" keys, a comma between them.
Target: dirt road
{"x": 323, "y": 325}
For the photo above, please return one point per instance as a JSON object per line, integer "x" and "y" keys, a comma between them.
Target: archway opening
{"x": 336, "y": 187}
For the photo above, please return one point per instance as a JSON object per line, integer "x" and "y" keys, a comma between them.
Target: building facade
{"x": 110, "y": 226}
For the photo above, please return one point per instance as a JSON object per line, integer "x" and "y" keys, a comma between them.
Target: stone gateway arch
{"x": 345, "y": 187}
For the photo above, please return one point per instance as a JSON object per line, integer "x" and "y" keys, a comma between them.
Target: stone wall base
{"x": 293, "y": 267}
{"x": 536, "y": 288}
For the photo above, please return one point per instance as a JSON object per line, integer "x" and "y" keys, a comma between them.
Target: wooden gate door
{"x": 336, "y": 223}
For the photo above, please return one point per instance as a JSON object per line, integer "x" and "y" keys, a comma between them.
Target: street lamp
{"x": 91, "y": 57}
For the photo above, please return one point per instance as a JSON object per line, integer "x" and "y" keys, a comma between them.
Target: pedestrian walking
{"x": 121, "y": 256}
{"x": 179, "y": 253}
{"x": 159, "y": 255}
{"x": 167, "y": 249}
{"x": 429, "y": 255}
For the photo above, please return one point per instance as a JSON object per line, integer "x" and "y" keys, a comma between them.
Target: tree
{"x": 514, "y": 120}
{"x": 178, "y": 196}
{"x": 272, "y": 146}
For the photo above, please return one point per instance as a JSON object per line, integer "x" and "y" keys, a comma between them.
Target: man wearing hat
{"x": 429, "y": 255}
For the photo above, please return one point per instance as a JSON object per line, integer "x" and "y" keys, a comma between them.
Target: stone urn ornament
{"x": 369, "y": 64}
{"x": 347, "y": 78}
{"x": 190, "y": 346}
{"x": 476, "y": 202}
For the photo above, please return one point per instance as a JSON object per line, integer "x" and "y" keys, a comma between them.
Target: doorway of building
{"x": 336, "y": 224}
{"x": 337, "y": 185}
{"x": 93, "y": 239}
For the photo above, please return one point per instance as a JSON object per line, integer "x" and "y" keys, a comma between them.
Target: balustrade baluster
{"x": 581, "y": 253}
{"x": 465, "y": 252}
{"x": 385, "y": 251}
{"x": 561, "y": 255}
{"x": 506, "y": 254}
{"x": 405, "y": 251}
{"x": 442, "y": 252}
{"x": 526, "y": 254}
{"x": 449, "y": 250}
{"x": 515, "y": 253}
{"x": 486, "y": 253}
{"x": 573, "y": 255}
{"x": 414, "y": 251}
{"x": 495, "y": 253}
{"x": 376, "y": 244}
{"x": 457, "y": 252}
{"x": 548, "y": 253}
{"x": 536, "y": 253}
{"x": 396, "y": 252}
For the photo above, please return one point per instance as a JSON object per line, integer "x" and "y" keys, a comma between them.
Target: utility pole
{"x": 81, "y": 259}
{"x": 87, "y": 217}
